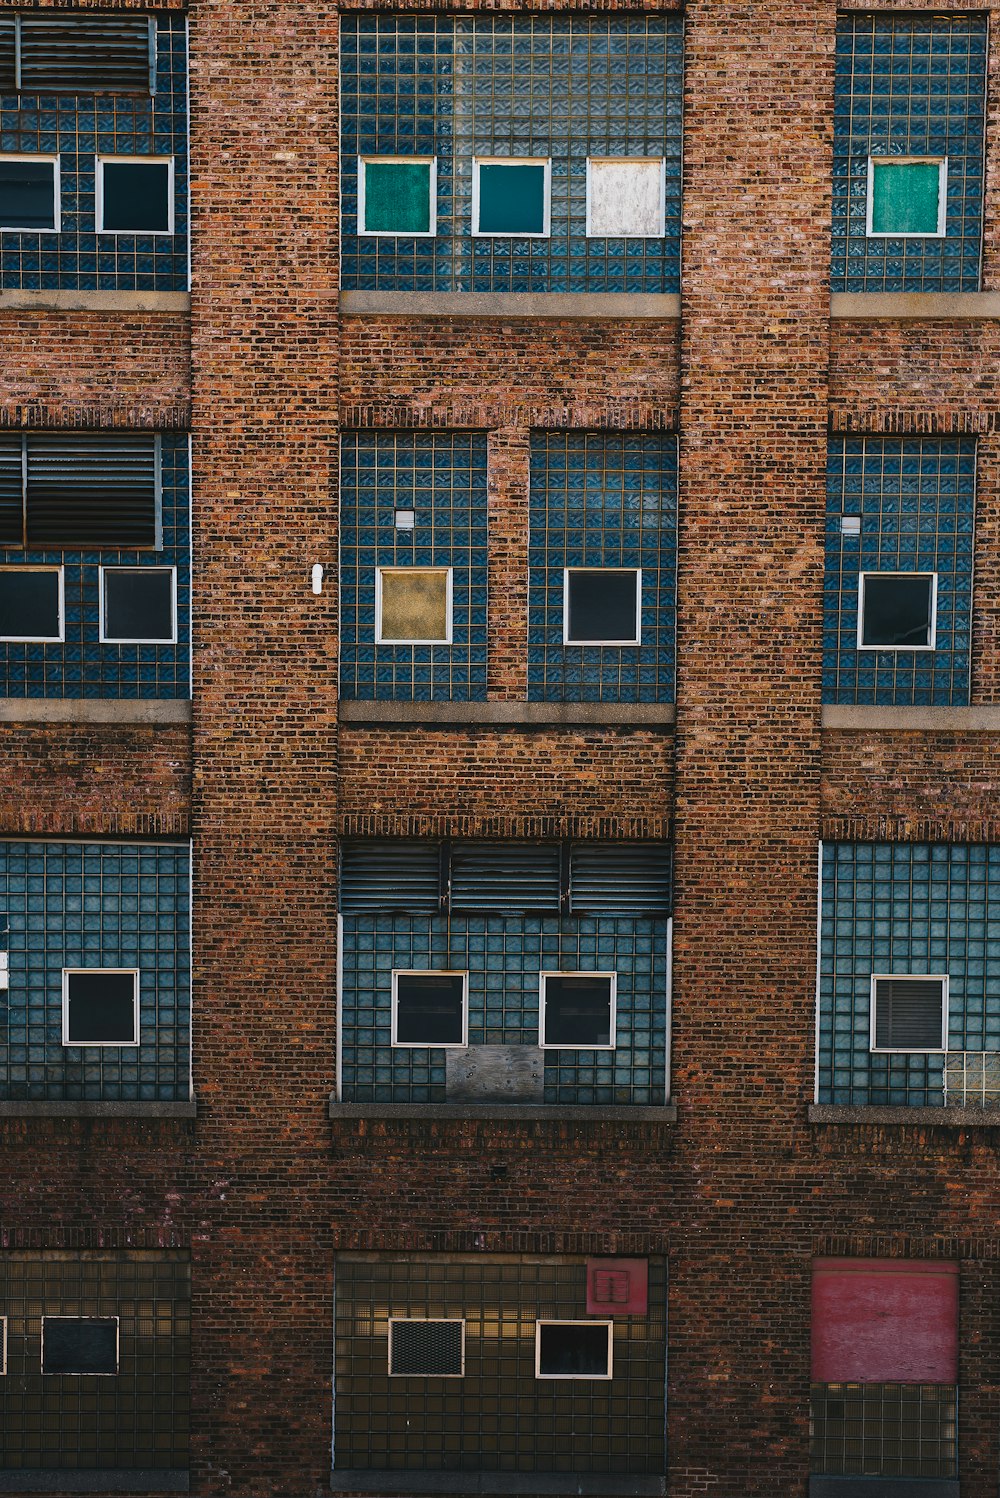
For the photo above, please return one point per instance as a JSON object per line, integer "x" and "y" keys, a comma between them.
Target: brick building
{"x": 499, "y": 858}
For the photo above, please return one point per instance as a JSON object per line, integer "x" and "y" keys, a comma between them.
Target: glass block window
{"x": 552, "y": 90}
{"x": 893, "y": 909}
{"x": 121, "y": 501}
{"x": 908, "y": 125}
{"x": 87, "y": 906}
{"x": 413, "y": 562}
{"x": 497, "y": 1417}
{"x": 135, "y": 1418}
{"x": 118, "y": 119}
{"x": 899, "y": 540}
{"x": 884, "y": 1430}
{"x": 603, "y": 509}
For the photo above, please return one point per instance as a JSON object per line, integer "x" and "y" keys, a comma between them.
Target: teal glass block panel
{"x": 511, "y": 199}
{"x": 397, "y": 197}
{"x": 905, "y": 197}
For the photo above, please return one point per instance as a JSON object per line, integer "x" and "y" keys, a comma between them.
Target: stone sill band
{"x": 98, "y": 1110}
{"x": 918, "y": 1117}
{"x": 883, "y": 1487}
{"x": 916, "y": 719}
{"x": 94, "y": 710}
{"x": 614, "y": 304}
{"x": 94, "y": 1480}
{"x": 394, "y": 1480}
{"x": 507, "y": 1112}
{"x": 398, "y": 714}
{"x": 95, "y": 301}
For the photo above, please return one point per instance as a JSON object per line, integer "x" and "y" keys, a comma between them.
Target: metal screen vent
{"x": 505, "y": 877}
{"x": 11, "y": 490}
{"x": 972, "y": 1079}
{"x": 620, "y": 878}
{"x": 8, "y": 62}
{"x": 394, "y": 875}
{"x": 909, "y": 1014}
{"x": 91, "y": 490}
{"x": 426, "y": 1349}
{"x": 611, "y": 1286}
{"x": 63, "y": 53}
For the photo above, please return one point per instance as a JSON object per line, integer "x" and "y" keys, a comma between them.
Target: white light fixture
{"x": 317, "y": 578}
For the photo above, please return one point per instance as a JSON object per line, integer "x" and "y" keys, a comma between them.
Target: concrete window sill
{"x": 883, "y": 1487}
{"x": 665, "y": 1113}
{"x": 619, "y": 1484}
{"x": 614, "y": 304}
{"x": 98, "y": 1110}
{"x": 984, "y": 719}
{"x": 914, "y": 304}
{"x": 516, "y": 714}
{"x": 95, "y": 301}
{"x": 938, "y": 1118}
{"x": 94, "y": 1480}
{"x": 94, "y": 710}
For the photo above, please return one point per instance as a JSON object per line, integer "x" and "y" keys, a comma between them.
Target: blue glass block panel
{"x": 94, "y": 905}
{"x": 902, "y": 508}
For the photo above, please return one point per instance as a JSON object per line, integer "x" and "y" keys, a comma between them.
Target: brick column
{"x": 508, "y": 564}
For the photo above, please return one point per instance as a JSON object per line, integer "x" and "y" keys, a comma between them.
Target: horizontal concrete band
{"x": 98, "y": 1110}
{"x": 515, "y": 1112}
{"x": 512, "y": 303}
{"x": 917, "y": 719}
{"x": 94, "y": 1480}
{"x": 392, "y": 1480}
{"x": 937, "y": 1118}
{"x": 626, "y": 714}
{"x": 883, "y": 1487}
{"x": 94, "y": 710}
{"x": 915, "y": 304}
{"x": 95, "y": 301}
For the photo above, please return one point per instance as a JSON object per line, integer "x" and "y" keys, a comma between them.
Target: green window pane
{"x": 905, "y": 196}
{"x": 511, "y": 199}
{"x": 397, "y": 197}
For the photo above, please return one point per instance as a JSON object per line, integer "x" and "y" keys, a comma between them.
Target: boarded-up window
{"x": 625, "y": 198}
{"x": 884, "y": 1321}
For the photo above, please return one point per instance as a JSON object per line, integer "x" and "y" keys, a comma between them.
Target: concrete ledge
{"x": 95, "y": 301}
{"x": 619, "y": 1484}
{"x": 94, "y": 710}
{"x": 914, "y": 304}
{"x": 512, "y": 303}
{"x": 937, "y": 1118}
{"x": 94, "y": 1480}
{"x": 665, "y": 1113}
{"x": 98, "y": 1110}
{"x": 883, "y": 1487}
{"x": 914, "y": 719}
{"x": 620, "y": 714}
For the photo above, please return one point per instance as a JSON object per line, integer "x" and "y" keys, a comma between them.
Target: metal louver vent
{"x": 909, "y": 1014}
{"x": 64, "y": 53}
{"x": 394, "y": 875}
{"x": 620, "y": 878}
{"x": 427, "y": 1349}
{"x": 505, "y": 877}
{"x": 92, "y": 489}
{"x": 11, "y": 490}
{"x": 8, "y": 64}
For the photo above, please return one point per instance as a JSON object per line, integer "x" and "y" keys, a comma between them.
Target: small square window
{"x": 80, "y": 1345}
{"x": 138, "y": 605}
{"x": 626, "y": 197}
{"x": 909, "y": 1013}
{"x": 573, "y": 1349}
{"x": 426, "y": 1349}
{"x": 413, "y": 606}
{"x": 578, "y": 1010}
{"x": 907, "y": 197}
{"x": 101, "y": 1006}
{"x": 897, "y": 610}
{"x": 429, "y": 1008}
{"x": 31, "y": 603}
{"x": 29, "y": 192}
{"x": 601, "y": 605}
{"x": 397, "y": 195}
{"x": 135, "y": 195}
{"x": 510, "y": 196}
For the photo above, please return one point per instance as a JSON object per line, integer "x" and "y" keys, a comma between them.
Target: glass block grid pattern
{"x": 915, "y": 500}
{"x": 905, "y": 908}
{"x": 565, "y": 87}
{"x": 909, "y": 85}
{"x": 884, "y": 1430}
{"x": 136, "y": 1419}
{"x": 81, "y": 666}
{"x": 504, "y": 956}
{"x": 602, "y": 500}
{"x": 441, "y": 478}
{"x": 499, "y": 1417}
{"x": 79, "y": 128}
{"x": 94, "y": 905}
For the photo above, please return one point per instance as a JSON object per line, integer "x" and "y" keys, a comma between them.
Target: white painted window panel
{"x": 625, "y": 199}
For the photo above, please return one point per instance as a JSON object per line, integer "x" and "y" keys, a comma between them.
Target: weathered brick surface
{"x": 912, "y": 377}
{"x": 915, "y": 786}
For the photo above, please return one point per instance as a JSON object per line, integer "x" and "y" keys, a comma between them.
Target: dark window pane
{"x": 429, "y": 1008}
{"x": 29, "y": 604}
{"x": 577, "y": 1011}
{"x": 897, "y": 609}
{"x": 138, "y": 603}
{"x": 101, "y": 1008}
{"x": 27, "y": 194}
{"x": 136, "y": 196}
{"x": 427, "y": 1347}
{"x": 573, "y": 1350}
{"x": 909, "y": 1013}
{"x": 602, "y": 605}
{"x": 79, "y": 1344}
{"x": 511, "y": 199}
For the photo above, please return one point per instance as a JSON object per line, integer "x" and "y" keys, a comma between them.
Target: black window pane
{"x": 577, "y": 1011}
{"x": 138, "y": 603}
{"x": 569, "y": 1350}
{"x": 602, "y": 605}
{"x": 101, "y": 1008}
{"x": 136, "y": 196}
{"x": 909, "y": 1014}
{"x": 897, "y": 609}
{"x": 79, "y": 1344}
{"x": 29, "y": 604}
{"x": 27, "y": 195}
{"x": 429, "y": 1008}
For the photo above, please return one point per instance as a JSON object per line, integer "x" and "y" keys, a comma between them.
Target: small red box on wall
{"x": 617, "y": 1287}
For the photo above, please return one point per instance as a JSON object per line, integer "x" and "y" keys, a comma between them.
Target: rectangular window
{"x": 135, "y": 195}
{"x": 578, "y": 1010}
{"x": 897, "y": 610}
{"x": 426, "y": 1349}
{"x": 573, "y": 1349}
{"x": 56, "y": 53}
{"x": 907, "y": 197}
{"x": 31, "y": 603}
{"x": 413, "y": 605}
{"x": 397, "y": 195}
{"x": 138, "y": 605}
{"x": 80, "y": 1345}
{"x": 510, "y": 196}
{"x": 63, "y": 490}
{"x": 602, "y": 606}
{"x": 626, "y": 197}
{"x": 29, "y": 193}
{"x": 429, "y": 1008}
{"x": 101, "y": 1006}
{"x": 909, "y": 1013}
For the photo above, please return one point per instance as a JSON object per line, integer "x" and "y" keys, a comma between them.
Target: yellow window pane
{"x": 414, "y": 604}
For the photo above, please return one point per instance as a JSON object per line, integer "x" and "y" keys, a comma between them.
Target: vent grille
{"x": 909, "y": 1014}
{"x": 427, "y": 1349}
{"x": 611, "y": 1286}
{"x": 11, "y": 490}
{"x": 403, "y": 876}
{"x": 86, "y": 490}
{"x": 620, "y": 878}
{"x": 505, "y": 877}
{"x": 8, "y": 63}
{"x": 86, "y": 54}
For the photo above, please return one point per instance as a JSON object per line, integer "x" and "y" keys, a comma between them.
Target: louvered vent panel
{"x": 85, "y": 54}
{"x": 91, "y": 490}
{"x": 11, "y": 504}
{"x": 620, "y": 878}
{"x": 387, "y": 875}
{"x": 505, "y": 877}
{"x": 908, "y": 1013}
{"x": 8, "y": 79}
{"x": 426, "y": 1348}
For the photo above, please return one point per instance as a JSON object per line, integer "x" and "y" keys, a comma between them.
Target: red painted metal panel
{"x": 617, "y": 1287}
{"x": 883, "y": 1321}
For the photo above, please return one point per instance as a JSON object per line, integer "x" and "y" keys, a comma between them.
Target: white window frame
{"x": 99, "y": 164}
{"x": 104, "y": 639}
{"x": 60, "y": 638}
{"x": 631, "y": 161}
{"x": 886, "y": 1050}
{"x": 637, "y": 571}
{"x": 542, "y": 161}
{"x": 579, "y": 1321}
{"x": 118, "y": 1045}
{"x": 380, "y": 572}
{"x": 425, "y": 1045}
{"x": 542, "y": 1001}
{"x": 56, "y": 190}
{"x": 118, "y": 1346}
{"x": 363, "y": 231}
{"x": 942, "y": 165}
{"x": 932, "y": 645}
{"x": 452, "y": 1320}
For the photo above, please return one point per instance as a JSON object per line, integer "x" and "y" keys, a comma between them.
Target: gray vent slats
{"x": 426, "y": 1349}
{"x": 909, "y": 1014}
{"x": 397, "y": 875}
{"x": 620, "y": 878}
{"x": 8, "y": 64}
{"x": 86, "y": 490}
{"x": 505, "y": 877}
{"x": 11, "y": 495}
{"x": 85, "y": 53}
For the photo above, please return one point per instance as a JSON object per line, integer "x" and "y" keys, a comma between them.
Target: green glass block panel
{"x": 511, "y": 199}
{"x": 905, "y": 197}
{"x": 397, "y": 197}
